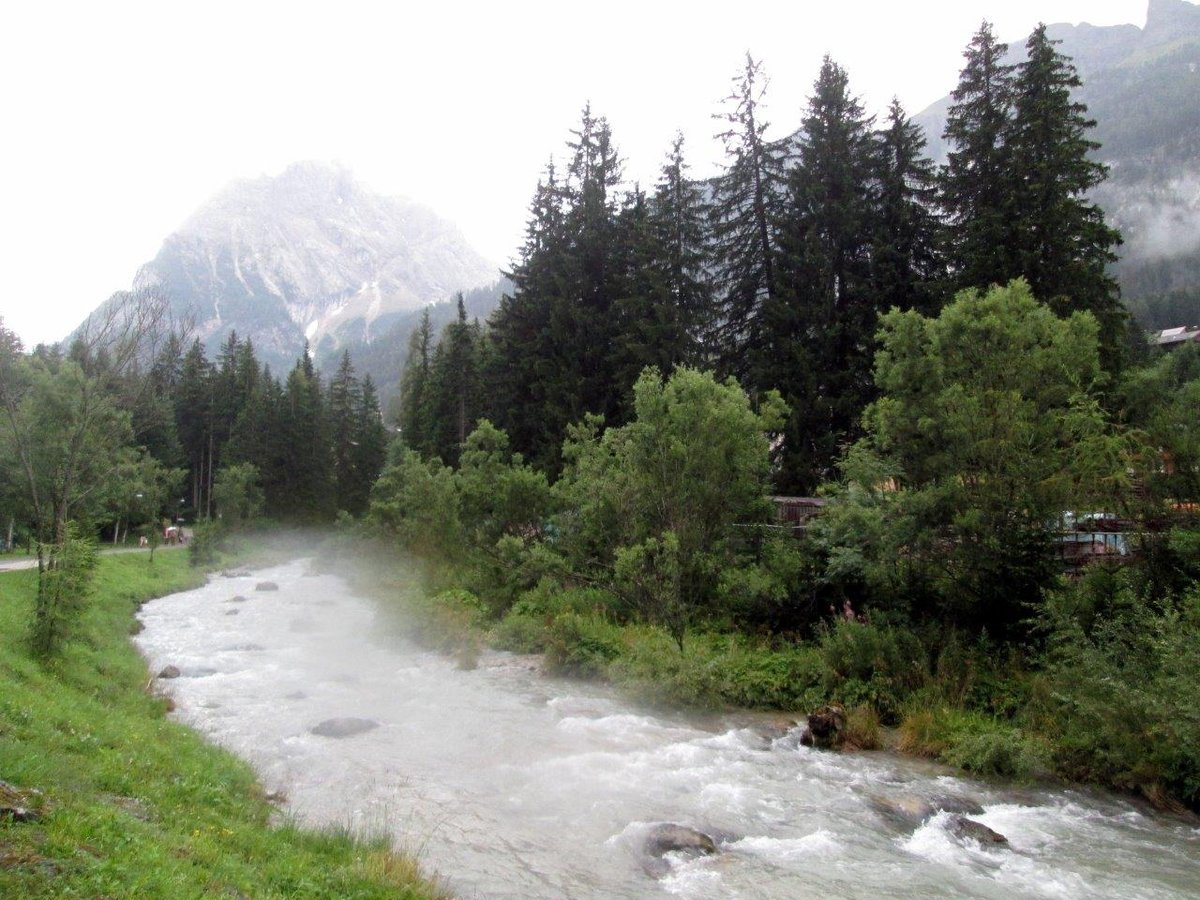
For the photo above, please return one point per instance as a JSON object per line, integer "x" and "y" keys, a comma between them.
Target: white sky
{"x": 118, "y": 119}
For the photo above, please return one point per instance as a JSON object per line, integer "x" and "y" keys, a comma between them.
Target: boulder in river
{"x": 169, "y": 672}
{"x": 910, "y": 811}
{"x": 266, "y": 586}
{"x": 343, "y": 727}
{"x": 238, "y": 599}
{"x": 963, "y": 828}
{"x": 671, "y": 838}
{"x": 826, "y": 728}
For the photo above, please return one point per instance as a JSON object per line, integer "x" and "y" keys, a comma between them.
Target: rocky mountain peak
{"x": 312, "y": 254}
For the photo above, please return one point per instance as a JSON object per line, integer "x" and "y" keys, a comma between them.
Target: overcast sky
{"x": 119, "y": 119}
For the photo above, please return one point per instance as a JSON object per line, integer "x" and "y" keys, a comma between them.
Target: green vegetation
{"x": 133, "y": 804}
{"x": 927, "y": 597}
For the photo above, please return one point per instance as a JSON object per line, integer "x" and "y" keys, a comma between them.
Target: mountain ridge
{"x": 310, "y": 254}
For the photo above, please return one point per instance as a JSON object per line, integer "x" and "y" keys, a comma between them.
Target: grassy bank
{"x": 131, "y": 803}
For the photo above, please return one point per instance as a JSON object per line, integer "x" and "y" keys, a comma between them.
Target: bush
{"x": 581, "y": 645}
{"x": 520, "y": 633}
{"x": 972, "y": 741}
{"x": 998, "y": 749}
{"x": 1122, "y": 700}
{"x": 207, "y": 539}
{"x": 872, "y": 664}
{"x": 717, "y": 670}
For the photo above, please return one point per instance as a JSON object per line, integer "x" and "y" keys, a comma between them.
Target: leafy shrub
{"x": 997, "y": 749}
{"x": 716, "y": 670}
{"x": 1122, "y": 700}
{"x": 520, "y": 633}
{"x": 873, "y": 664}
{"x": 206, "y": 541}
{"x": 581, "y": 645}
{"x": 972, "y": 741}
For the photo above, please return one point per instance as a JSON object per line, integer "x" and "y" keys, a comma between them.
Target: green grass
{"x": 137, "y": 805}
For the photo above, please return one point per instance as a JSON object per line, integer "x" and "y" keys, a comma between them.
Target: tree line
{"x": 940, "y": 355}
{"x": 778, "y": 270}
{"x": 130, "y": 428}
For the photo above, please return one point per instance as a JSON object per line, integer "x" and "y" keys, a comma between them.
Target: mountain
{"x": 309, "y": 254}
{"x": 1142, "y": 86}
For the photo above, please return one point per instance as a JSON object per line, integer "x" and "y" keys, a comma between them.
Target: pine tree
{"x": 518, "y": 369}
{"x": 821, "y": 322}
{"x": 977, "y": 182}
{"x": 415, "y": 425}
{"x": 307, "y": 470}
{"x": 552, "y": 358}
{"x": 455, "y": 387}
{"x": 1064, "y": 244}
{"x": 908, "y": 268}
{"x": 747, "y": 200}
{"x": 370, "y": 449}
{"x": 194, "y": 413}
{"x": 679, "y": 219}
{"x": 343, "y": 402}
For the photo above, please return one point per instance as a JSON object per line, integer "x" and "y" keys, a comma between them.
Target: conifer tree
{"x": 908, "y": 269}
{"x": 747, "y": 199}
{"x": 821, "y": 322}
{"x": 307, "y": 470}
{"x": 455, "y": 389}
{"x": 194, "y": 412}
{"x": 369, "y": 449}
{"x": 977, "y": 182}
{"x": 344, "y": 401}
{"x": 518, "y": 368}
{"x": 1064, "y": 244}
{"x": 679, "y": 220}
{"x": 414, "y": 388}
{"x": 552, "y": 339}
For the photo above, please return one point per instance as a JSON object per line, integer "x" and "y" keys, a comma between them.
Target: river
{"x": 510, "y": 784}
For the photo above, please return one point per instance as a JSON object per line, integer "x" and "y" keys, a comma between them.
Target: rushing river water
{"x": 510, "y": 784}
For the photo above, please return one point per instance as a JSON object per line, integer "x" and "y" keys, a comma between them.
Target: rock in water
{"x": 266, "y": 586}
{"x": 910, "y": 811}
{"x": 169, "y": 672}
{"x": 963, "y": 828}
{"x": 343, "y": 727}
{"x": 671, "y": 838}
{"x": 826, "y": 728}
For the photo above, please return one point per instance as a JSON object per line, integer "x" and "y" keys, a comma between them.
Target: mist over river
{"x": 510, "y": 784}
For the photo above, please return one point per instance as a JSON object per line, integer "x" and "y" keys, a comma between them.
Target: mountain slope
{"x": 310, "y": 254}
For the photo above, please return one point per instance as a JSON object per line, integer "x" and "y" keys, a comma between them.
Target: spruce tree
{"x": 307, "y": 470}
{"x": 343, "y": 404}
{"x": 819, "y": 341}
{"x": 747, "y": 199}
{"x": 679, "y": 218}
{"x": 454, "y": 387}
{"x": 908, "y": 267}
{"x": 369, "y": 449}
{"x": 978, "y": 191}
{"x": 1064, "y": 245}
{"x": 415, "y": 425}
